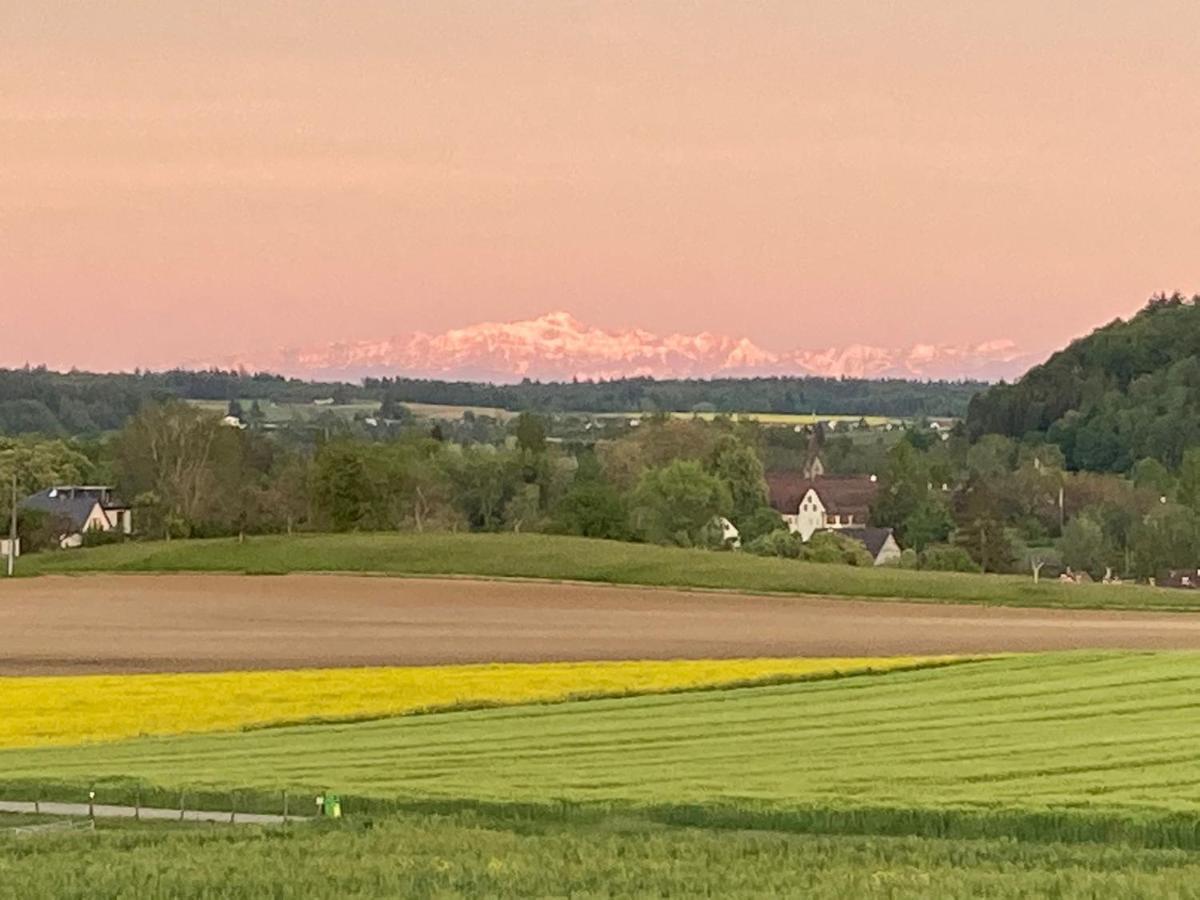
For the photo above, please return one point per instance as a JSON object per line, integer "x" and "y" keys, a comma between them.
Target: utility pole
{"x": 12, "y": 526}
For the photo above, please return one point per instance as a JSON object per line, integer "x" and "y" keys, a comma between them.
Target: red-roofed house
{"x": 831, "y": 503}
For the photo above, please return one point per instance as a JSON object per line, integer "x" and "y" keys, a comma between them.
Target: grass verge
{"x": 473, "y": 853}
{"x": 581, "y": 559}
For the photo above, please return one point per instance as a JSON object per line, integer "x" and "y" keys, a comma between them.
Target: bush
{"x": 761, "y": 523}
{"x": 781, "y": 543}
{"x": 945, "y": 558}
{"x": 831, "y": 547}
{"x": 593, "y": 509}
{"x": 97, "y": 538}
{"x": 39, "y": 530}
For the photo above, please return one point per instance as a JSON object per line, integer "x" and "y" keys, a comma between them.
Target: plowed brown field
{"x": 157, "y": 623}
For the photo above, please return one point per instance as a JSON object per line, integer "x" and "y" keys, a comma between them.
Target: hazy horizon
{"x": 190, "y": 183}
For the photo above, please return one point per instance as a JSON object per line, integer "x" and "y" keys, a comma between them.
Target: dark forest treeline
{"x": 850, "y": 396}
{"x": 39, "y": 401}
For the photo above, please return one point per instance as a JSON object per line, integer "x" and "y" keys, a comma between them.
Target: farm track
{"x": 173, "y": 623}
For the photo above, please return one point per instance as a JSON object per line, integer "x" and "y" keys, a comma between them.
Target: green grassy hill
{"x": 582, "y": 559}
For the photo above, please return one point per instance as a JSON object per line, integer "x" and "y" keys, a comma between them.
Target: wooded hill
{"x": 1127, "y": 392}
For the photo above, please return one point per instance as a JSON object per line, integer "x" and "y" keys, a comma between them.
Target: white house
{"x": 80, "y": 509}
{"x": 730, "y": 536}
{"x": 830, "y": 501}
{"x": 839, "y": 503}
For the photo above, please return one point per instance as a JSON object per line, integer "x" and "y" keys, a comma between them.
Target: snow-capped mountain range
{"x": 557, "y": 346}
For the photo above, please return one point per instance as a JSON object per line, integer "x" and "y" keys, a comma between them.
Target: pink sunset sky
{"x": 184, "y": 180}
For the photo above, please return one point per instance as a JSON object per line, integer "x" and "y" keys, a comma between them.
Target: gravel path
{"x": 107, "y": 811}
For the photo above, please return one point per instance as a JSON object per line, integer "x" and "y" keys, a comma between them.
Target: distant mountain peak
{"x": 558, "y": 346}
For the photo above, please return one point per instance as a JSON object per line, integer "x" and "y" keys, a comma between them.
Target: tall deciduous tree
{"x": 740, "y": 468}
{"x": 1187, "y": 491}
{"x": 40, "y": 464}
{"x": 163, "y": 457}
{"x": 1085, "y": 547}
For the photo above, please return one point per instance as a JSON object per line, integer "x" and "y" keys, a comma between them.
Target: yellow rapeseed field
{"x": 42, "y": 711}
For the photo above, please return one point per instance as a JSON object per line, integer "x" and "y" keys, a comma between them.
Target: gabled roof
{"x": 871, "y": 538}
{"x": 785, "y": 490}
{"x": 844, "y": 495}
{"x": 74, "y": 507}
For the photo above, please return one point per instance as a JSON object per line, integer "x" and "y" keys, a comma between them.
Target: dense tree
{"x": 740, "y": 468}
{"x": 163, "y": 463}
{"x": 988, "y": 542}
{"x": 929, "y": 522}
{"x": 1168, "y": 538}
{"x": 39, "y": 464}
{"x": 591, "y": 506}
{"x": 391, "y": 409}
{"x": 343, "y": 488}
{"x": 1187, "y": 488}
{"x": 483, "y": 481}
{"x": 1152, "y": 475}
{"x": 1085, "y": 547}
{"x": 677, "y": 503}
{"x": 531, "y": 433}
{"x": 909, "y": 501}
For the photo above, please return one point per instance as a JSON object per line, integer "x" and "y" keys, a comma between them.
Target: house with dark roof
{"x": 880, "y": 543}
{"x": 80, "y": 509}
{"x": 839, "y": 503}
{"x": 830, "y": 501}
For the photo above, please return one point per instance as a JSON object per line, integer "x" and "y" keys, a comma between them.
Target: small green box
{"x": 332, "y": 807}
